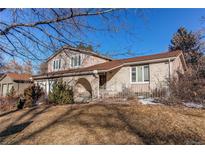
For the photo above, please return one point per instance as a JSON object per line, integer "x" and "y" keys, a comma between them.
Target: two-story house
{"x": 97, "y": 74}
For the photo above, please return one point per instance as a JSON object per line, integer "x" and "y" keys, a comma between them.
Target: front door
{"x": 102, "y": 81}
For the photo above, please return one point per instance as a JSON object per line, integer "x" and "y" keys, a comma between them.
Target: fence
{"x": 135, "y": 92}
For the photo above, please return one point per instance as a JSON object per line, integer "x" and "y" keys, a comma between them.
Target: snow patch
{"x": 147, "y": 101}
{"x": 194, "y": 105}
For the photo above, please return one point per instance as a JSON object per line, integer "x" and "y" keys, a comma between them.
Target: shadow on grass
{"x": 100, "y": 118}
{"x": 15, "y": 129}
{"x": 9, "y": 112}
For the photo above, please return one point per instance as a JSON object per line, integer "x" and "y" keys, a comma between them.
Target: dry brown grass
{"x": 130, "y": 123}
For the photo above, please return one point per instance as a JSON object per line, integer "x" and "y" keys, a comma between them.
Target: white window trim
{"x": 68, "y": 62}
{"x": 56, "y": 69}
{"x": 73, "y": 56}
{"x": 141, "y": 82}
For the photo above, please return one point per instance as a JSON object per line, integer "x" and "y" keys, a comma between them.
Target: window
{"x": 140, "y": 74}
{"x": 68, "y": 62}
{"x": 6, "y": 88}
{"x": 50, "y": 84}
{"x": 42, "y": 84}
{"x": 76, "y": 61}
{"x": 146, "y": 73}
{"x": 57, "y": 64}
{"x": 72, "y": 61}
{"x": 79, "y": 60}
{"x": 133, "y": 74}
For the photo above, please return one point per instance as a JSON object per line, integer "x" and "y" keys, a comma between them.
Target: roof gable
{"x": 78, "y": 50}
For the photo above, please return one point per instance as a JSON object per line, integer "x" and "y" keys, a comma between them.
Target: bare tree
{"x": 12, "y": 66}
{"x": 15, "y": 67}
{"x": 28, "y": 67}
{"x": 43, "y": 68}
{"x": 1, "y": 62}
{"x": 36, "y": 33}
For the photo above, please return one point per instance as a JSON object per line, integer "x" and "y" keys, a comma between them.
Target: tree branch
{"x": 58, "y": 19}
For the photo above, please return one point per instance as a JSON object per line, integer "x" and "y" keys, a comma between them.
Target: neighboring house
{"x": 1, "y": 74}
{"x": 18, "y": 81}
{"x": 98, "y": 74}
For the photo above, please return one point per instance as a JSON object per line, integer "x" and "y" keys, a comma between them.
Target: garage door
{"x": 4, "y": 89}
{"x": 10, "y": 86}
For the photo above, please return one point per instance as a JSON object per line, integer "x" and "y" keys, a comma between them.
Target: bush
{"x": 189, "y": 88}
{"x": 159, "y": 93}
{"x": 7, "y": 104}
{"x": 32, "y": 94}
{"x": 20, "y": 103}
{"x": 11, "y": 93}
{"x": 61, "y": 93}
{"x": 127, "y": 93}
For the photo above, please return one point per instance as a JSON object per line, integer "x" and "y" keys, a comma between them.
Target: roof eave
{"x": 47, "y": 76}
{"x": 3, "y": 76}
{"x": 56, "y": 75}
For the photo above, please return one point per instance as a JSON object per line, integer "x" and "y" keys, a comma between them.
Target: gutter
{"x": 63, "y": 75}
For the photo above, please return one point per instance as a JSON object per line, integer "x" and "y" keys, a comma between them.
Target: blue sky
{"x": 153, "y": 31}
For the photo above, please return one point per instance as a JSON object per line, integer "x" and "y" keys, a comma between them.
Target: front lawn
{"x": 130, "y": 123}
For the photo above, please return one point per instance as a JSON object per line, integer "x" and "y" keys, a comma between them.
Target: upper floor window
{"x": 57, "y": 64}
{"x": 76, "y": 61}
{"x": 140, "y": 74}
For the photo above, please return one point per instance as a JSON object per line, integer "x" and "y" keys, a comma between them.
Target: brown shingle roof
{"x": 117, "y": 63}
{"x": 19, "y": 77}
{"x": 154, "y": 56}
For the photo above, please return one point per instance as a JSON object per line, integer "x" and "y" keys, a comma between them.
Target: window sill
{"x": 75, "y": 66}
{"x": 140, "y": 82}
{"x": 57, "y": 70}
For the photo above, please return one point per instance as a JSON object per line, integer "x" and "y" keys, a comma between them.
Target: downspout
{"x": 168, "y": 90}
{"x": 169, "y": 69}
